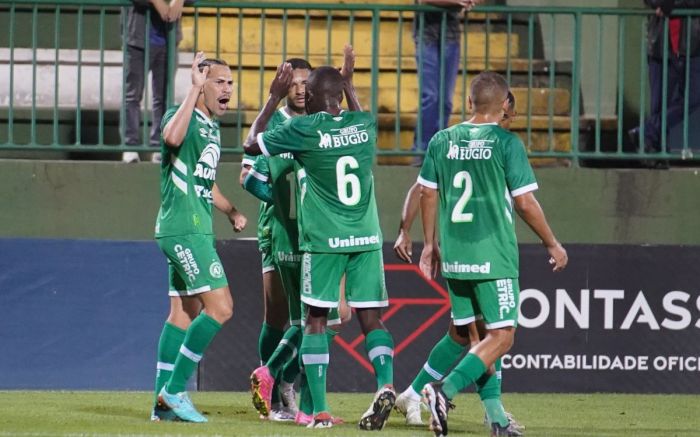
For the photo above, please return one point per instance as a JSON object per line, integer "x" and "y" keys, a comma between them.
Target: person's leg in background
{"x": 133, "y": 94}
{"x": 159, "y": 84}
{"x": 428, "y": 62}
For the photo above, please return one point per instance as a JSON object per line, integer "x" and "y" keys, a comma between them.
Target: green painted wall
{"x": 110, "y": 200}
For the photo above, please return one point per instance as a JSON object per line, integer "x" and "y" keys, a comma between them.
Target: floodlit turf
{"x": 25, "y": 414}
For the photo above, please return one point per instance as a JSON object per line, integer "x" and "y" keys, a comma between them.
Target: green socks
{"x": 285, "y": 351}
{"x": 171, "y": 339}
{"x": 315, "y": 357}
{"x": 200, "y": 333}
{"x": 489, "y": 389}
{"x": 467, "y": 372}
{"x": 380, "y": 350}
{"x": 267, "y": 342}
{"x": 441, "y": 358}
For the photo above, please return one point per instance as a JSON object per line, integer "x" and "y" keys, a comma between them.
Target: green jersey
{"x": 337, "y": 212}
{"x": 279, "y": 172}
{"x": 187, "y": 176}
{"x": 266, "y": 210}
{"x": 477, "y": 169}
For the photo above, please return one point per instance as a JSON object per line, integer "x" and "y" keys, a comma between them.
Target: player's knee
{"x": 504, "y": 338}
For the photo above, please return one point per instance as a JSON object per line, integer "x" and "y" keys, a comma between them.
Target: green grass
{"x": 83, "y": 413}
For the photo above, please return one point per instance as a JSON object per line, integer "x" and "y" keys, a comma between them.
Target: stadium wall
{"x": 82, "y": 283}
{"x": 110, "y": 200}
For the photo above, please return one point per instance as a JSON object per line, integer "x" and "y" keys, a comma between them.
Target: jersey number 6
{"x": 347, "y": 195}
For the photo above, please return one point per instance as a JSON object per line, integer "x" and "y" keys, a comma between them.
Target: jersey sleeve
{"x": 286, "y": 137}
{"x": 166, "y": 117}
{"x": 428, "y": 172}
{"x": 247, "y": 160}
{"x": 519, "y": 175}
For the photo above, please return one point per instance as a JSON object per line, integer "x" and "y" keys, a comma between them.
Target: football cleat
{"x": 181, "y": 405}
{"x": 321, "y": 420}
{"x": 378, "y": 412}
{"x": 511, "y": 420}
{"x": 504, "y": 431}
{"x": 410, "y": 408}
{"x": 161, "y": 413}
{"x": 439, "y": 405}
{"x": 261, "y": 384}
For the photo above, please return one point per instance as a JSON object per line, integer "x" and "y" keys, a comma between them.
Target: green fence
{"x": 576, "y": 89}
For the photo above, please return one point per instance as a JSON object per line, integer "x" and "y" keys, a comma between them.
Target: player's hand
{"x": 403, "y": 246}
{"x": 558, "y": 257}
{"x": 430, "y": 261}
{"x": 282, "y": 81}
{"x": 238, "y": 221}
{"x": 199, "y": 77}
{"x": 348, "y": 67}
{"x": 467, "y": 5}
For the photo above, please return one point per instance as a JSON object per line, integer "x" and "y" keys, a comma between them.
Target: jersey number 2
{"x": 348, "y": 184}
{"x": 462, "y": 180}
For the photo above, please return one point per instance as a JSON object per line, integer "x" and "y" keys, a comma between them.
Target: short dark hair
{"x": 298, "y": 63}
{"x": 211, "y": 61}
{"x": 325, "y": 81}
{"x": 488, "y": 91}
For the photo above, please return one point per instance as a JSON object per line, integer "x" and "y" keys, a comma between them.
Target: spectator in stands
{"x": 427, "y": 35}
{"x": 678, "y": 56}
{"x": 138, "y": 35}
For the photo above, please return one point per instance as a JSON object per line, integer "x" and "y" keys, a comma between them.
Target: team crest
{"x": 216, "y": 270}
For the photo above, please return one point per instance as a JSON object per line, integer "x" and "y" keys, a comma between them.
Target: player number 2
{"x": 348, "y": 183}
{"x": 462, "y": 180}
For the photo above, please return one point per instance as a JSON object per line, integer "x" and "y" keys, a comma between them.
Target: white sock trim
{"x": 165, "y": 366}
{"x": 432, "y": 372}
{"x": 380, "y": 350}
{"x": 315, "y": 358}
{"x": 189, "y": 354}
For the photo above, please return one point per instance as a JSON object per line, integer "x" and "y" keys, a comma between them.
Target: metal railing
{"x": 65, "y": 85}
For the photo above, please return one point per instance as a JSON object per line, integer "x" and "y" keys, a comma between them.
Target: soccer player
{"x": 278, "y": 307}
{"x": 477, "y": 171}
{"x": 200, "y": 300}
{"x": 275, "y": 181}
{"x": 340, "y": 231}
{"x": 450, "y": 348}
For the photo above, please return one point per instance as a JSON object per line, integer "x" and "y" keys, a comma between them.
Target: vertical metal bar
{"x": 552, "y": 79}
{"x": 575, "y": 89}
{"x": 10, "y": 111}
{"x": 530, "y": 55}
{"x": 441, "y": 71}
{"x": 419, "y": 57}
{"x": 465, "y": 69}
{"x": 261, "y": 69}
{"x": 329, "y": 26}
{"x": 487, "y": 51}
{"x": 196, "y": 29}
{"x": 351, "y": 23}
{"x": 686, "y": 152}
{"x": 642, "y": 89}
{"x": 620, "y": 78}
{"x": 101, "y": 112}
{"x": 599, "y": 81}
{"x": 284, "y": 34}
{"x": 218, "y": 32}
{"x": 122, "y": 107}
{"x": 375, "y": 60}
{"x": 35, "y": 27}
{"x": 146, "y": 114}
{"x": 239, "y": 77}
{"x": 78, "y": 114}
{"x": 306, "y": 34}
{"x": 399, "y": 65}
{"x": 509, "y": 33}
{"x": 664, "y": 87}
{"x": 57, "y": 46}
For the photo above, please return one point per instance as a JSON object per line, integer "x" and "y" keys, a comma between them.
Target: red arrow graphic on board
{"x": 441, "y": 302}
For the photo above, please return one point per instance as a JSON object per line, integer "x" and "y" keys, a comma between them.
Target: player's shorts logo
{"x": 216, "y": 270}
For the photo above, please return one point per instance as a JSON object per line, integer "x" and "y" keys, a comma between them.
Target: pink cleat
{"x": 261, "y": 383}
{"x": 303, "y": 418}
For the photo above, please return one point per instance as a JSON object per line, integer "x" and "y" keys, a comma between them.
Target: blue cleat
{"x": 181, "y": 405}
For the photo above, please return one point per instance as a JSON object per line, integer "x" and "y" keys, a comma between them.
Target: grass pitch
{"x": 38, "y": 413}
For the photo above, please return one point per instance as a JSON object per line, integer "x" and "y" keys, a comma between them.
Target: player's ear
{"x": 471, "y": 105}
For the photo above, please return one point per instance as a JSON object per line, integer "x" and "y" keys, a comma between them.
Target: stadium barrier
{"x": 577, "y": 95}
{"x": 621, "y": 318}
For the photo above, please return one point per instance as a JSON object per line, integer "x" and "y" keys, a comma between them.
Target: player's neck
{"x": 478, "y": 118}
{"x": 203, "y": 109}
{"x": 333, "y": 110}
{"x": 293, "y": 112}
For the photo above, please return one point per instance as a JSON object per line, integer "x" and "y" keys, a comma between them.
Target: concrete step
{"x": 394, "y": 42}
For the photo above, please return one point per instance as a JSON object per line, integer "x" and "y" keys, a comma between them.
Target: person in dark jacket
{"x": 146, "y": 24}
{"x": 679, "y": 55}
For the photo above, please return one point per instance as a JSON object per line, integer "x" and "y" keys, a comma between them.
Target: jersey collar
{"x": 481, "y": 124}
{"x": 206, "y": 119}
{"x": 283, "y": 111}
